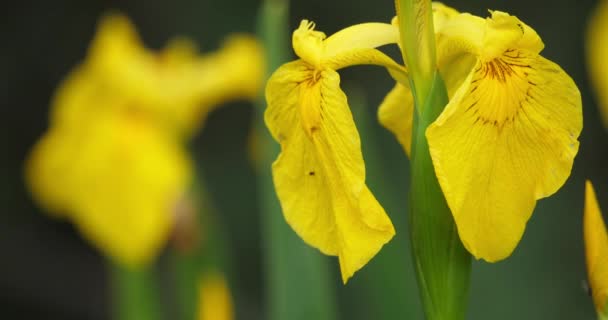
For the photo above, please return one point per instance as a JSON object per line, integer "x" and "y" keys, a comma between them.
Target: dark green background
{"x": 47, "y": 271}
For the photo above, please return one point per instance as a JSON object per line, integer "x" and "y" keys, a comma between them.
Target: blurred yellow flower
{"x": 596, "y": 250}
{"x": 597, "y": 51}
{"x": 113, "y": 160}
{"x": 320, "y": 175}
{"x": 215, "y": 300}
{"x": 508, "y": 135}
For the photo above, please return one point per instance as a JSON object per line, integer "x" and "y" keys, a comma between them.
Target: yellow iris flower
{"x": 597, "y": 51}
{"x": 596, "y": 250}
{"x": 508, "y": 135}
{"x": 113, "y": 160}
{"x": 320, "y": 175}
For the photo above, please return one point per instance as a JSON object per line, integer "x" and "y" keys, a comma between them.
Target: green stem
{"x": 418, "y": 43}
{"x": 442, "y": 264}
{"x": 186, "y": 270}
{"x": 135, "y": 293}
{"x": 297, "y": 276}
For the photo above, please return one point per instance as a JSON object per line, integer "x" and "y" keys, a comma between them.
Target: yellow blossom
{"x": 215, "y": 301}
{"x": 177, "y": 83}
{"x": 113, "y": 160}
{"x": 597, "y": 51}
{"x": 320, "y": 175}
{"x": 508, "y": 135}
{"x": 596, "y": 250}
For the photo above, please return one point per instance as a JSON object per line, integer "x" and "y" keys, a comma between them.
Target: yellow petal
{"x": 348, "y": 47}
{"x": 308, "y": 43}
{"x": 488, "y": 38}
{"x": 176, "y": 83}
{"x": 320, "y": 175}
{"x": 129, "y": 176}
{"x": 215, "y": 300}
{"x": 115, "y": 173}
{"x": 236, "y": 71}
{"x": 396, "y": 114}
{"x": 117, "y": 55}
{"x": 597, "y": 51}
{"x": 596, "y": 250}
{"x": 441, "y": 15}
{"x": 48, "y": 171}
{"x": 507, "y": 138}
{"x": 360, "y": 36}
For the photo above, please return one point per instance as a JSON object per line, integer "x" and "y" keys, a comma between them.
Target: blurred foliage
{"x": 47, "y": 271}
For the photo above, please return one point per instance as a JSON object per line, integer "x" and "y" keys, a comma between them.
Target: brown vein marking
{"x": 502, "y": 71}
{"x": 497, "y": 69}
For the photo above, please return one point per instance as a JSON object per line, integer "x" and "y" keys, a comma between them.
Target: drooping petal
{"x": 597, "y": 51}
{"x": 129, "y": 175}
{"x": 396, "y": 114}
{"x": 320, "y": 175}
{"x": 507, "y": 138}
{"x": 596, "y": 250}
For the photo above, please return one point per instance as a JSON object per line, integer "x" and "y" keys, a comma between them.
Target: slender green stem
{"x": 297, "y": 276}
{"x": 135, "y": 293}
{"x": 442, "y": 264}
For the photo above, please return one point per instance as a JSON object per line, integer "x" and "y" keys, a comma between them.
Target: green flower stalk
{"x": 442, "y": 264}
{"x": 418, "y": 45}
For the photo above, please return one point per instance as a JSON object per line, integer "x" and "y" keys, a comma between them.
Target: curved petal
{"x": 596, "y": 250}
{"x": 128, "y": 177}
{"x": 320, "y": 175}
{"x": 350, "y": 46}
{"x": 396, "y": 114}
{"x": 367, "y": 56}
{"x": 360, "y": 36}
{"x": 507, "y": 138}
